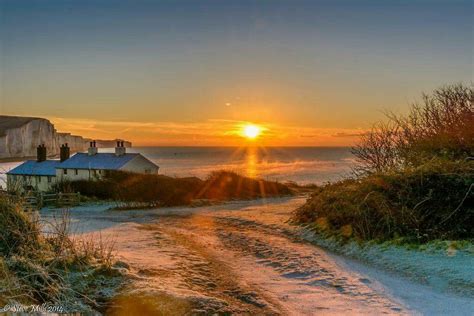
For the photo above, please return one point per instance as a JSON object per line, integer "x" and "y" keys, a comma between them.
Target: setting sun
{"x": 251, "y": 131}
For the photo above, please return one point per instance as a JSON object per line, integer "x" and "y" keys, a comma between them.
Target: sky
{"x": 311, "y": 73}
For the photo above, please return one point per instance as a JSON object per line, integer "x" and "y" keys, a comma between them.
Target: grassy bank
{"x": 414, "y": 181}
{"x": 158, "y": 190}
{"x": 78, "y": 276}
{"x": 432, "y": 201}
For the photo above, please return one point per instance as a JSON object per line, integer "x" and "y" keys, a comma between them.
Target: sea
{"x": 303, "y": 165}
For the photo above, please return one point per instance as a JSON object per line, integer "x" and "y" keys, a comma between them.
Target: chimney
{"x": 41, "y": 153}
{"x": 64, "y": 152}
{"x": 120, "y": 149}
{"x": 92, "y": 149}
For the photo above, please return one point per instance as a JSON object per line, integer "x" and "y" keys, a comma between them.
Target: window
{"x": 76, "y": 172}
{"x": 49, "y": 179}
{"x": 38, "y": 179}
{"x": 24, "y": 178}
{"x": 65, "y": 171}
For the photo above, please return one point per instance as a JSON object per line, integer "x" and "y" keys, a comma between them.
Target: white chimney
{"x": 120, "y": 149}
{"x": 92, "y": 149}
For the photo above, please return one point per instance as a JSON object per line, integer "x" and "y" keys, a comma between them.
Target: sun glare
{"x": 251, "y": 131}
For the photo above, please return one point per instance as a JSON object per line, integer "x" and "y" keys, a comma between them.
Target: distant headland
{"x": 19, "y": 137}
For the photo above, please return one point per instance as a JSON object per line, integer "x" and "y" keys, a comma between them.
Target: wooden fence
{"x": 35, "y": 201}
{"x": 60, "y": 199}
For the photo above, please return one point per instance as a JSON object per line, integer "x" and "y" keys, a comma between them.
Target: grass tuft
{"x": 38, "y": 268}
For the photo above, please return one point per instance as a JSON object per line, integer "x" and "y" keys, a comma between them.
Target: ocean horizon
{"x": 303, "y": 165}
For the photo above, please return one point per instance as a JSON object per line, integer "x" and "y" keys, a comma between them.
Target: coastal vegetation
{"x": 67, "y": 274}
{"x": 414, "y": 179}
{"x": 148, "y": 190}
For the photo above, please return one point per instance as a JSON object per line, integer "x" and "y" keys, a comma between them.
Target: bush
{"x": 160, "y": 190}
{"x": 441, "y": 127}
{"x": 226, "y": 185}
{"x": 429, "y": 202}
{"x": 414, "y": 180}
{"x": 152, "y": 189}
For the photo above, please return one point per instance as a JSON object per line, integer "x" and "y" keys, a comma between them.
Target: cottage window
{"x": 76, "y": 172}
{"x": 38, "y": 179}
{"x": 65, "y": 171}
{"x": 49, "y": 179}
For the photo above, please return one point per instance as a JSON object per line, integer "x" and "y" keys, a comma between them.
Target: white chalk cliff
{"x": 19, "y": 137}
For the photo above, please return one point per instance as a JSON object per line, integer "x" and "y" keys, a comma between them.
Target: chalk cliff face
{"x": 19, "y": 137}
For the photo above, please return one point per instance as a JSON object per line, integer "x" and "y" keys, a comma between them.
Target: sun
{"x": 251, "y": 131}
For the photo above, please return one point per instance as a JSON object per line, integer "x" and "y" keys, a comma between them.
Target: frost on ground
{"x": 446, "y": 269}
{"x": 243, "y": 258}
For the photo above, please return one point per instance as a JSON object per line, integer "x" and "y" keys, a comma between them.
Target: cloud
{"x": 345, "y": 134}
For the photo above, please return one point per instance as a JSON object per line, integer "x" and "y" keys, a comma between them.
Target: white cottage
{"x": 93, "y": 165}
{"x": 40, "y": 175}
{"x": 33, "y": 175}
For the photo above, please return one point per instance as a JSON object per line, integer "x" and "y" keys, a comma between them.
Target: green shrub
{"x": 432, "y": 201}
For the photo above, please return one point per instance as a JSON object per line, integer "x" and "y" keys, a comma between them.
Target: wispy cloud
{"x": 345, "y": 134}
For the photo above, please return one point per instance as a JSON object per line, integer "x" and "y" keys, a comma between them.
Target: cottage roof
{"x": 103, "y": 161}
{"x": 32, "y": 167}
{"x": 99, "y": 161}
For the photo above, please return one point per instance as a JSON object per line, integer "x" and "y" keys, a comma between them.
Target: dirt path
{"x": 233, "y": 259}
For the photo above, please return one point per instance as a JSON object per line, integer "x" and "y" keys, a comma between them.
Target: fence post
{"x": 40, "y": 200}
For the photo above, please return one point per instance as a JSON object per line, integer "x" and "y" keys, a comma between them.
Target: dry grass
{"x": 53, "y": 268}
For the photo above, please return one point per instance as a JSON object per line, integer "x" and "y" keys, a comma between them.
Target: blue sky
{"x": 310, "y": 64}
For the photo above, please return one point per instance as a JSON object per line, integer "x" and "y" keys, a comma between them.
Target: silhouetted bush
{"x": 441, "y": 127}
{"x": 160, "y": 190}
{"x": 226, "y": 185}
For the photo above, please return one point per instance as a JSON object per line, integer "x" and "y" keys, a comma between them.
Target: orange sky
{"x": 313, "y": 73}
{"x": 207, "y": 133}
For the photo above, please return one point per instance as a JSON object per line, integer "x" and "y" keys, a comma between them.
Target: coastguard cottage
{"x": 42, "y": 174}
